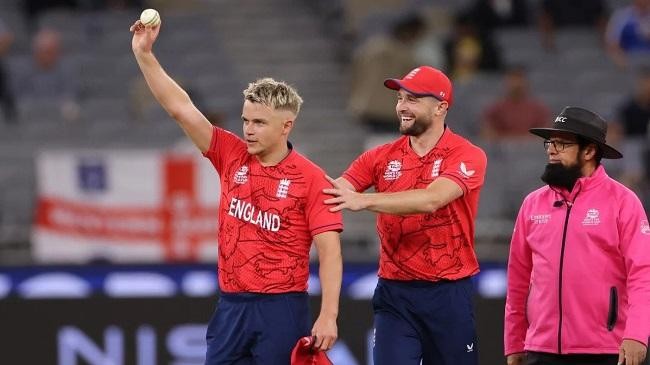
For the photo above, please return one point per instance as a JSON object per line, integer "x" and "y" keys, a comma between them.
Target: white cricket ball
{"x": 150, "y": 17}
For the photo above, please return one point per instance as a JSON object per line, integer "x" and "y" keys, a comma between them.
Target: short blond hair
{"x": 274, "y": 94}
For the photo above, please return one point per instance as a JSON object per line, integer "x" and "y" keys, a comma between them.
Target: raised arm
{"x": 330, "y": 273}
{"x": 168, "y": 93}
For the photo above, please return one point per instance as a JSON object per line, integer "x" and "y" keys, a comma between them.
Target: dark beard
{"x": 415, "y": 130}
{"x": 556, "y": 174}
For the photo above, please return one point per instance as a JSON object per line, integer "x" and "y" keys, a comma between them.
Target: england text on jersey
{"x": 249, "y": 213}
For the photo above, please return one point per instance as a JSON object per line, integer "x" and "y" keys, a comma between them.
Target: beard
{"x": 556, "y": 174}
{"x": 416, "y": 129}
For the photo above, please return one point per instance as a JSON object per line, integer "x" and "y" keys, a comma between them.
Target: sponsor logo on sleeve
{"x": 465, "y": 172}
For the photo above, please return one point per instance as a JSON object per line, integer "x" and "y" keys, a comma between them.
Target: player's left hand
{"x": 324, "y": 332}
{"x": 343, "y": 198}
{"x": 631, "y": 352}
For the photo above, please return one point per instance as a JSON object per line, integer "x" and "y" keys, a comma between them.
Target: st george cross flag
{"x": 125, "y": 206}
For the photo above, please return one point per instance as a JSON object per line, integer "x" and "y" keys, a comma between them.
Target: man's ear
{"x": 589, "y": 153}
{"x": 288, "y": 125}
{"x": 442, "y": 108}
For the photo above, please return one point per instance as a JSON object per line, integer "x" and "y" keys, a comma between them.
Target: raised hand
{"x": 143, "y": 36}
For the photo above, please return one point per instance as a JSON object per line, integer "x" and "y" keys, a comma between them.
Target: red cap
{"x": 424, "y": 81}
{"x": 304, "y": 354}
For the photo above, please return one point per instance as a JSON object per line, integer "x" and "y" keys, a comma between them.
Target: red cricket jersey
{"x": 267, "y": 217}
{"x": 432, "y": 246}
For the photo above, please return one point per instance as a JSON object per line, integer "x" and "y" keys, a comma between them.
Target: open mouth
{"x": 406, "y": 119}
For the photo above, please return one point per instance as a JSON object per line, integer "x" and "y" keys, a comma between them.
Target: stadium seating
{"x": 214, "y": 51}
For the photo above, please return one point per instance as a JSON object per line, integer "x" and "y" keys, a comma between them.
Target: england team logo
{"x": 241, "y": 176}
{"x": 283, "y": 188}
{"x": 393, "y": 170}
{"x": 412, "y": 73}
{"x": 435, "y": 170}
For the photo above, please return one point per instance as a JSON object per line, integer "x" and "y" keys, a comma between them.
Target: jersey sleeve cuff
{"x": 458, "y": 181}
{"x": 352, "y": 181}
{"x": 337, "y": 227}
{"x": 213, "y": 142}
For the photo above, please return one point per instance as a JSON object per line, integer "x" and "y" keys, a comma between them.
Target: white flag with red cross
{"x": 125, "y": 206}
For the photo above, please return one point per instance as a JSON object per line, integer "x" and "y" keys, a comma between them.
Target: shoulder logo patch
{"x": 465, "y": 172}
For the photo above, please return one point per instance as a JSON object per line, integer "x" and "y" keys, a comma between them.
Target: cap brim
{"x": 396, "y": 84}
{"x": 609, "y": 152}
{"x": 545, "y": 132}
{"x": 392, "y": 84}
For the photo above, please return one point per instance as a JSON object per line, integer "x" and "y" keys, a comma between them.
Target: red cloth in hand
{"x": 304, "y": 354}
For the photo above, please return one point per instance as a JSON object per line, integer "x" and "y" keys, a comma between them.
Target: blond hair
{"x": 274, "y": 94}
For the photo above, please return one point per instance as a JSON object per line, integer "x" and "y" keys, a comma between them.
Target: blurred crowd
{"x": 467, "y": 42}
{"x": 49, "y": 77}
{"x": 45, "y": 54}
{"x": 65, "y": 65}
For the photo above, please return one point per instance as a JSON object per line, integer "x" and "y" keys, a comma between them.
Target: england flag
{"x": 125, "y": 206}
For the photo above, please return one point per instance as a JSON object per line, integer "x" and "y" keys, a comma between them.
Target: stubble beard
{"x": 415, "y": 129}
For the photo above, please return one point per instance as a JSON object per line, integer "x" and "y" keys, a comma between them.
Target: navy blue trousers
{"x": 257, "y": 328}
{"x": 431, "y": 323}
